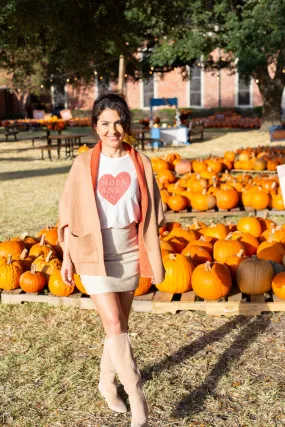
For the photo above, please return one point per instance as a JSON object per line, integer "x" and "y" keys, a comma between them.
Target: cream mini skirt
{"x": 121, "y": 257}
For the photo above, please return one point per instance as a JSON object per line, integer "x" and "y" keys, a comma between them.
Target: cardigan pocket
{"x": 83, "y": 248}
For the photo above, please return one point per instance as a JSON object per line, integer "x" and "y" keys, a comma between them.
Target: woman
{"x": 110, "y": 210}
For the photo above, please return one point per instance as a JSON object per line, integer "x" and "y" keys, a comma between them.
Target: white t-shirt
{"x": 117, "y": 192}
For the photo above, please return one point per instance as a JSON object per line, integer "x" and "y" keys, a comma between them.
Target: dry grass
{"x": 196, "y": 370}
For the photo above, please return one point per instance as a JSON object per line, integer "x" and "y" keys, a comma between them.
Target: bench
{"x": 196, "y": 128}
{"x": 38, "y": 138}
{"x": 49, "y": 148}
{"x": 11, "y": 130}
{"x": 153, "y": 142}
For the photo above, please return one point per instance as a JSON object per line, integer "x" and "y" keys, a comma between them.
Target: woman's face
{"x": 109, "y": 128}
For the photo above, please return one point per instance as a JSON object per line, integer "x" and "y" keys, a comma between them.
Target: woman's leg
{"x": 113, "y": 320}
{"x": 126, "y": 300}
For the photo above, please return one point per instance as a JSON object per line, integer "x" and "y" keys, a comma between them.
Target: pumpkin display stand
{"x": 236, "y": 303}
{"x": 216, "y": 213}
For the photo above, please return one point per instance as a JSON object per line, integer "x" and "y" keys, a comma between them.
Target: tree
{"x": 251, "y": 33}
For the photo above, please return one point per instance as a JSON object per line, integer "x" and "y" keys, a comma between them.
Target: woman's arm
{"x": 67, "y": 266}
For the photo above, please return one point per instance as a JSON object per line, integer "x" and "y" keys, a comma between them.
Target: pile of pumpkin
{"x": 208, "y": 186}
{"x": 33, "y": 263}
{"x": 209, "y": 259}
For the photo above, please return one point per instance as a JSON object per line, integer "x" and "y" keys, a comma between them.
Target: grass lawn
{"x": 197, "y": 370}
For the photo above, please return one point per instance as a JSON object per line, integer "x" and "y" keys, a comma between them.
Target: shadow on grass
{"x": 194, "y": 402}
{"x": 6, "y": 176}
{"x": 18, "y": 159}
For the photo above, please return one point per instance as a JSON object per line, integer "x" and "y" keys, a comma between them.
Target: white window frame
{"x": 188, "y": 87}
{"x": 250, "y": 105}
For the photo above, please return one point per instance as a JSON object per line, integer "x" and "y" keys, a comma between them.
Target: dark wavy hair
{"x": 113, "y": 101}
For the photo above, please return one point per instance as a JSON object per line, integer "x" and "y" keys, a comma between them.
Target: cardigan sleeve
{"x": 158, "y": 204}
{"x": 64, "y": 205}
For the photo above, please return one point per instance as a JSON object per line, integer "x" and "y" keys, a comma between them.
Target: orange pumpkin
{"x": 11, "y": 247}
{"x": 143, "y": 287}
{"x": 178, "y": 272}
{"x": 41, "y": 249}
{"x": 211, "y": 281}
{"x": 227, "y": 199}
{"x": 10, "y": 273}
{"x": 177, "y": 202}
{"x": 225, "y": 247}
{"x": 250, "y": 243}
{"x": 197, "y": 254}
{"x": 58, "y": 287}
{"x": 233, "y": 261}
{"x": 250, "y": 225}
{"x": 278, "y": 285}
{"x": 32, "y": 281}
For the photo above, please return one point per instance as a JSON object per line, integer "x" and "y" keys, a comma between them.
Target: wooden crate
{"x": 221, "y": 213}
{"x": 154, "y": 301}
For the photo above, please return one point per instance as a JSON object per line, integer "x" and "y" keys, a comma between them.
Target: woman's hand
{"x": 67, "y": 271}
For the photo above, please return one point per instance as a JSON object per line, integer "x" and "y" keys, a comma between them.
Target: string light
{"x": 42, "y": 86}
{"x": 256, "y": 81}
{"x": 101, "y": 78}
{"x": 67, "y": 80}
{"x": 127, "y": 43}
{"x": 95, "y": 72}
{"x": 126, "y": 75}
{"x": 150, "y": 72}
{"x": 51, "y": 80}
{"x": 175, "y": 68}
{"x": 152, "y": 68}
{"x": 283, "y": 71}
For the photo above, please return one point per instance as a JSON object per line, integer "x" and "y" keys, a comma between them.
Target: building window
{"x": 244, "y": 95}
{"x": 195, "y": 86}
{"x": 148, "y": 91}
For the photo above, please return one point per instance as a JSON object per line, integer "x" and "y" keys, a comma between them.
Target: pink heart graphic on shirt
{"x": 113, "y": 188}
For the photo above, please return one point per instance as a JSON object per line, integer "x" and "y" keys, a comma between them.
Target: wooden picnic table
{"x": 68, "y": 140}
{"x": 140, "y": 135}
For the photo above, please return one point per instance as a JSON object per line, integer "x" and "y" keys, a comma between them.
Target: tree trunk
{"x": 271, "y": 93}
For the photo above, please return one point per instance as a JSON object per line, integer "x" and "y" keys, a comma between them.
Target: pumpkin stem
{"x": 240, "y": 253}
{"x": 33, "y": 268}
{"x": 42, "y": 242}
{"x": 24, "y": 235}
{"x": 48, "y": 256}
{"x": 195, "y": 223}
{"x": 24, "y": 253}
{"x": 202, "y": 239}
{"x": 204, "y": 192}
{"x": 229, "y": 236}
{"x": 172, "y": 256}
{"x": 208, "y": 266}
{"x": 9, "y": 259}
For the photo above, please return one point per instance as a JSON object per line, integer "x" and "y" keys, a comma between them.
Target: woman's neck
{"x": 113, "y": 152}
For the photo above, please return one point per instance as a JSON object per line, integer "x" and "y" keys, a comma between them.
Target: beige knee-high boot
{"x": 121, "y": 354}
{"x": 107, "y": 384}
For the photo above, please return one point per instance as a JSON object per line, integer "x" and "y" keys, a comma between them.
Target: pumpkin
{"x": 227, "y": 199}
{"x": 184, "y": 233}
{"x": 215, "y": 165}
{"x": 225, "y": 247}
{"x": 183, "y": 166}
{"x": 41, "y": 249}
{"x": 10, "y": 274}
{"x": 11, "y": 247}
{"x": 254, "y": 276}
{"x": 218, "y": 231}
{"x": 172, "y": 156}
{"x": 79, "y": 284}
{"x": 199, "y": 166}
{"x": 203, "y": 201}
{"x": 178, "y": 272}
{"x": 230, "y": 155}
{"x": 196, "y": 225}
{"x": 51, "y": 236}
{"x": 259, "y": 199}
{"x": 204, "y": 243}
{"x": 197, "y": 254}
{"x": 83, "y": 148}
{"x": 211, "y": 281}
{"x": 170, "y": 225}
{"x": 47, "y": 265}
{"x": 233, "y": 261}
{"x": 179, "y": 243}
{"x": 28, "y": 241}
{"x": 144, "y": 286}
{"x": 278, "y": 285}
{"x": 259, "y": 165}
{"x": 165, "y": 176}
{"x": 275, "y": 252}
{"x": 277, "y": 202}
{"x": 166, "y": 247}
{"x": 177, "y": 202}
{"x": 26, "y": 261}
{"x": 32, "y": 281}
{"x": 197, "y": 184}
{"x": 57, "y": 286}
{"x": 164, "y": 195}
{"x": 250, "y": 225}
{"x": 250, "y": 243}
{"x": 161, "y": 165}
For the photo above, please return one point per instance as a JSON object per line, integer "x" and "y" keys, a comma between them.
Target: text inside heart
{"x": 113, "y": 188}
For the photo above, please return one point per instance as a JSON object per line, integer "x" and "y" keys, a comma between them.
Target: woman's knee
{"x": 115, "y": 325}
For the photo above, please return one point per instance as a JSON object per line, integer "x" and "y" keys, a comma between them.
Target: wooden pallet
{"x": 221, "y": 213}
{"x": 154, "y": 301}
